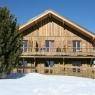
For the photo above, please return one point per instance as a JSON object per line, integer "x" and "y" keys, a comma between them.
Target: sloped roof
{"x": 65, "y": 20}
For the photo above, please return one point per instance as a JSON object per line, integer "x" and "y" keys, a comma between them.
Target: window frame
{"x": 49, "y": 47}
{"x": 25, "y": 47}
{"x": 77, "y": 47}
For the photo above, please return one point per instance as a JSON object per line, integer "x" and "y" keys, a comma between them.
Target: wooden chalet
{"x": 52, "y": 42}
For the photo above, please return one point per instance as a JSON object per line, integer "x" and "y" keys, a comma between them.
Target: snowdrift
{"x": 38, "y": 84}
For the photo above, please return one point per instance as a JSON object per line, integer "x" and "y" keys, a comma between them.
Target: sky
{"x": 80, "y": 11}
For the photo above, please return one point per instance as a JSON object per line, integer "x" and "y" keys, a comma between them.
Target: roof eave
{"x": 35, "y": 19}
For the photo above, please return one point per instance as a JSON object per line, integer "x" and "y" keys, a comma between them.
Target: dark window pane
{"x": 49, "y": 63}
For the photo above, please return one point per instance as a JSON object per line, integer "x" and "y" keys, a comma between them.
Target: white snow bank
{"x": 38, "y": 84}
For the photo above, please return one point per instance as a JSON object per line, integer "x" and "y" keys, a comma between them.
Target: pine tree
{"x": 10, "y": 41}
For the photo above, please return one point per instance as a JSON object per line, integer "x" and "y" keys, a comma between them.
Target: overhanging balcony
{"x": 90, "y": 52}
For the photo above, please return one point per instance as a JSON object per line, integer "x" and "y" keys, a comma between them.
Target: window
{"x": 49, "y": 44}
{"x": 25, "y": 46}
{"x": 49, "y": 63}
{"x": 76, "y": 46}
{"x": 36, "y": 46}
{"x": 77, "y": 65}
{"x": 94, "y": 46}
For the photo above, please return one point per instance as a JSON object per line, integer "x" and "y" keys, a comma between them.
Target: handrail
{"x": 58, "y": 51}
{"x": 64, "y": 70}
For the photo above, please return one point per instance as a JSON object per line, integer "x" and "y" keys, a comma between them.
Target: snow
{"x": 38, "y": 84}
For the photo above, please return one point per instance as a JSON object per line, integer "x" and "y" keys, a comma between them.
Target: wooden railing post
{"x": 34, "y": 64}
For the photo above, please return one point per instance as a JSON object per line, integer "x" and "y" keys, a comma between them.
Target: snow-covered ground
{"x": 38, "y": 84}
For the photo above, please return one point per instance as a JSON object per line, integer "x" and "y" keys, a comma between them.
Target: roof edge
{"x": 59, "y": 16}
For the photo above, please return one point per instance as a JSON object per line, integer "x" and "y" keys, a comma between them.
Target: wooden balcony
{"x": 90, "y": 52}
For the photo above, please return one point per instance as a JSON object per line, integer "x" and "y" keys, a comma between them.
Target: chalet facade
{"x": 51, "y": 41}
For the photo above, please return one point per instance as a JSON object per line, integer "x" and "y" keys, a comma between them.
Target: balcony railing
{"x": 59, "y": 51}
{"x": 62, "y": 70}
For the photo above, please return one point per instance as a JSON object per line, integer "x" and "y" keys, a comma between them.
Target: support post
{"x": 63, "y": 67}
{"x": 23, "y": 65}
{"x": 34, "y": 64}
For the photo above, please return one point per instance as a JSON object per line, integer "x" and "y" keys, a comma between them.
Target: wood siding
{"x": 63, "y": 35}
